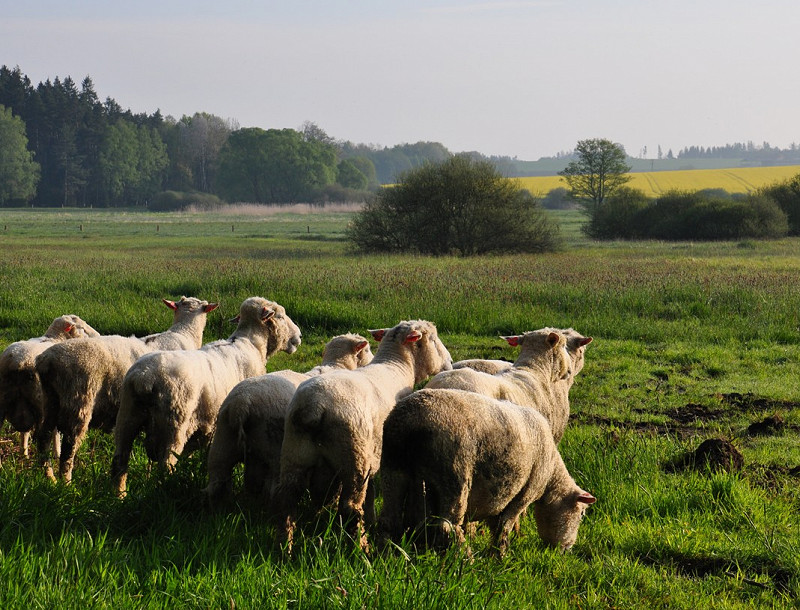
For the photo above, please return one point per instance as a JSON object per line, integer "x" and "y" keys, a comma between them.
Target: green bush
{"x": 787, "y": 195}
{"x": 170, "y": 201}
{"x": 620, "y": 216}
{"x": 681, "y": 215}
{"x": 459, "y": 206}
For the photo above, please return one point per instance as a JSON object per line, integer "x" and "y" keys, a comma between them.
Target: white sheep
{"x": 540, "y": 377}
{"x": 20, "y": 390}
{"x": 251, "y": 419}
{"x": 335, "y": 422}
{"x": 490, "y": 367}
{"x": 453, "y": 456}
{"x": 174, "y": 396}
{"x": 81, "y": 379}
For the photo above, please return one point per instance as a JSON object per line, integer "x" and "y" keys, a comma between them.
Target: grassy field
{"x": 691, "y": 341}
{"x": 653, "y": 184}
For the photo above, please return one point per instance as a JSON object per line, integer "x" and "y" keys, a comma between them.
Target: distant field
{"x": 735, "y": 180}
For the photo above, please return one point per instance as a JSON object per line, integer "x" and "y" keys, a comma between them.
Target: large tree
{"x": 599, "y": 169}
{"x": 19, "y": 173}
{"x": 274, "y": 166}
{"x": 461, "y": 206}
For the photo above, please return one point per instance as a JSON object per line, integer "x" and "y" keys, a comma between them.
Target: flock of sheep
{"x": 478, "y": 443}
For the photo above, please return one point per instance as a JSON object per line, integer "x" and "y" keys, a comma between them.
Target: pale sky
{"x": 517, "y": 78}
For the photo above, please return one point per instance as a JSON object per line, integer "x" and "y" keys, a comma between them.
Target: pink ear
{"x": 68, "y": 328}
{"x": 413, "y": 336}
{"x": 266, "y": 314}
{"x": 361, "y": 345}
{"x": 585, "y": 341}
{"x": 210, "y": 307}
{"x": 378, "y": 333}
{"x": 586, "y": 498}
{"x": 170, "y": 304}
{"x": 552, "y": 339}
{"x": 512, "y": 340}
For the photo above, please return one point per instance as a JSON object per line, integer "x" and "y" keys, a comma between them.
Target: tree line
{"x": 62, "y": 146}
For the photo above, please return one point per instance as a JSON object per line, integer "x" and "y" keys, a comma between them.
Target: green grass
{"x": 692, "y": 341}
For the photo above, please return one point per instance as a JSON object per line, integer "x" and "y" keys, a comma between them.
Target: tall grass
{"x": 691, "y": 341}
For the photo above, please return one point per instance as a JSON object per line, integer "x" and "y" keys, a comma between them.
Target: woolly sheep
{"x": 335, "y": 421}
{"x": 250, "y": 422}
{"x": 474, "y": 458}
{"x": 20, "y": 390}
{"x": 81, "y": 379}
{"x": 491, "y": 367}
{"x": 540, "y": 377}
{"x": 175, "y": 396}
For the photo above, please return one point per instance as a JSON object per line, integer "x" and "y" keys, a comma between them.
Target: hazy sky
{"x": 518, "y": 78}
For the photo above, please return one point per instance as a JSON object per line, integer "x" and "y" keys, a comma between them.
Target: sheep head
{"x": 350, "y": 351}
{"x": 543, "y": 347}
{"x": 70, "y": 327}
{"x": 261, "y": 317}
{"x": 558, "y": 519}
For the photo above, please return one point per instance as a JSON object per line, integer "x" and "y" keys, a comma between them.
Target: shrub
{"x": 558, "y": 199}
{"x": 169, "y": 201}
{"x": 787, "y": 195}
{"x": 620, "y": 216}
{"x": 461, "y": 206}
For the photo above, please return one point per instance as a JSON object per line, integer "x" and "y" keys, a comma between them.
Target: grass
{"x": 653, "y": 184}
{"x": 692, "y": 341}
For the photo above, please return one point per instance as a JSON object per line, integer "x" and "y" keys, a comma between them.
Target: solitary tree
{"x": 459, "y": 206}
{"x": 19, "y": 173}
{"x": 599, "y": 169}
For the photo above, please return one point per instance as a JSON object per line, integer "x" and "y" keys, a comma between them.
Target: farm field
{"x": 733, "y": 180}
{"x": 692, "y": 341}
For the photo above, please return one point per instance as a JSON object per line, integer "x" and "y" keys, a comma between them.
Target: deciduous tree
{"x": 599, "y": 169}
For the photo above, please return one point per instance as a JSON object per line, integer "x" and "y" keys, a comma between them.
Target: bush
{"x": 558, "y": 199}
{"x": 459, "y": 206}
{"x": 787, "y": 195}
{"x": 170, "y": 201}
{"x": 620, "y": 216}
{"x": 679, "y": 215}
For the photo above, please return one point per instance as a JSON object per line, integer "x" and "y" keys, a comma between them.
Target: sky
{"x": 523, "y": 79}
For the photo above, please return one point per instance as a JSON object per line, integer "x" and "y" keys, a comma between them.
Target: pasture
{"x": 653, "y": 184}
{"x": 691, "y": 341}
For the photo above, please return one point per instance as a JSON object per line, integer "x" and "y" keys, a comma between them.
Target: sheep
{"x": 335, "y": 422}
{"x": 20, "y": 390}
{"x": 250, "y": 422}
{"x": 532, "y": 381}
{"x": 474, "y": 458}
{"x": 81, "y": 379}
{"x": 174, "y": 396}
{"x": 491, "y": 367}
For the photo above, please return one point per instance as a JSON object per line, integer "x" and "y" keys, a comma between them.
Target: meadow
{"x": 653, "y": 184}
{"x": 691, "y": 341}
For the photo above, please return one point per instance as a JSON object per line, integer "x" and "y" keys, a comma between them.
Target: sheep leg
{"x": 71, "y": 439}
{"x": 286, "y": 500}
{"x": 395, "y": 492}
{"x": 44, "y": 436}
{"x": 223, "y": 454}
{"x": 452, "y": 510}
{"x": 351, "y": 505}
{"x": 508, "y": 520}
{"x": 24, "y": 441}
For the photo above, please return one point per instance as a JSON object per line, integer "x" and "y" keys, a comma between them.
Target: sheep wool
{"x": 335, "y": 422}
{"x": 175, "y": 396}
{"x": 20, "y": 388}
{"x": 81, "y": 379}
{"x": 474, "y": 458}
{"x": 250, "y": 421}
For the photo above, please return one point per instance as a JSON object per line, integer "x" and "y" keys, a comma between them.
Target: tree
{"x": 460, "y": 205}
{"x": 19, "y": 173}
{"x": 274, "y": 166}
{"x": 599, "y": 169}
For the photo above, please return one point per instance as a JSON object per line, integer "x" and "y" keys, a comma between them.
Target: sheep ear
{"x": 235, "y": 320}
{"x": 585, "y": 341}
{"x": 378, "y": 333}
{"x": 68, "y": 328}
{"x": 585, "y": 497}
{"x": 413, "y": 337}
{"x": 266, "y": 314}
{"x": 210, "y": 307}
{"x": 360, "y": 346}
{"x": 512, "y": 340}
{"x": 552, "y": 339}
{"x": 170, "y": 304}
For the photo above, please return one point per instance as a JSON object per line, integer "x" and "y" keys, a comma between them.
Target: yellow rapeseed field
{"x": 734, "y": 180}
